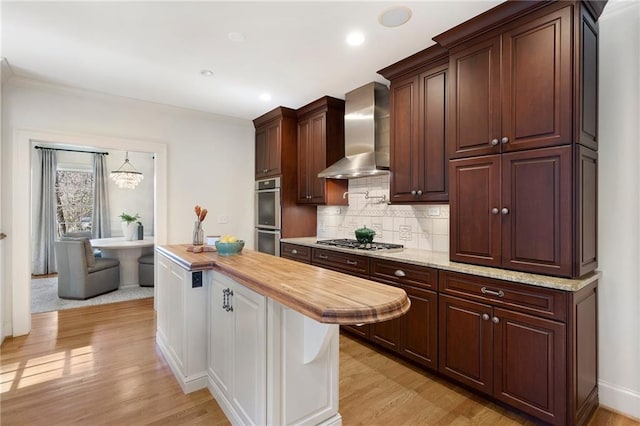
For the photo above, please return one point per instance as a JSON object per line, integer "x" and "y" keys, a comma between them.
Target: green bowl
{"x": 229, "y": 249}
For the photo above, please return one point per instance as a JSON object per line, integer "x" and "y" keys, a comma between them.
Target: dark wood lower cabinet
{"x": 544, "y": 367}
{"x": 466, "y": 342}
{"x": 419, "y": 328}
{"x": 363, "y": 330}
{"x": 532, "y": 348}
{"x": 529, "y": 364}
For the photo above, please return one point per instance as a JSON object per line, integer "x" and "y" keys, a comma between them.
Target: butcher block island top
{"x": 323, "y": 295}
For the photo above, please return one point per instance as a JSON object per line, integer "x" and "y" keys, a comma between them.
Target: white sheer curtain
{"x": 101, "y": 222}
{"x": 44, "y": 257}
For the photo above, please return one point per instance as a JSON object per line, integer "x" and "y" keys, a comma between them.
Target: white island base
{"x": 264, "y": 363}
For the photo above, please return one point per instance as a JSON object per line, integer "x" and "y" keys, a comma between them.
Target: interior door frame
{"x": 20, "y": 247}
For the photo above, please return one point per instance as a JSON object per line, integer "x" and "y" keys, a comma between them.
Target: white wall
{"x": 209, "y": 158}
{"x": 619, "y": 208}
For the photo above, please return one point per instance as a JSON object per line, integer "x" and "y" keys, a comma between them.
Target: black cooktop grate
{"x": 356, "y": 245}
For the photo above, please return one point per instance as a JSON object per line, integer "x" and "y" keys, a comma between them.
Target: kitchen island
{"x": 261, "y": 332}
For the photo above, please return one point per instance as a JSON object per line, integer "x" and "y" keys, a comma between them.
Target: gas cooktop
{"x": 354, "y": 244}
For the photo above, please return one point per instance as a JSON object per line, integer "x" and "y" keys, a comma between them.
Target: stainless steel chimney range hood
{"x": 366, "y": 133}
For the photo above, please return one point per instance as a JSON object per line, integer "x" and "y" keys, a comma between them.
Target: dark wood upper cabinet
{"x": 320, "y": 144}
{"x": 418, "y": 104}
{"x": 515, "y": 211}
{"x": 536, "y": 211}
{"x": 523, "y": 76}
{"x": 523, "y": 106}
{"x": 276, "y": 155}
{"x": 275, "y": 141}
{"x": 475, "y": 223}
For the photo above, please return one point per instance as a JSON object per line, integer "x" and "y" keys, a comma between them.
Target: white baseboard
{"x": 187, "y": 383}
{"x": 619, "y": 399}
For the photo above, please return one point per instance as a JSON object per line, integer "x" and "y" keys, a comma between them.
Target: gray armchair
{"x": 80, "y": 274}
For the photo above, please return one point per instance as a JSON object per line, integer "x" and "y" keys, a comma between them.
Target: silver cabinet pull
{"x": 323, "y": 256}
{"x": 419, "y": 191}
{"x": 505, "y": 210}
{"x": 294, "y": 251}
{"x": 495, "y": 210}
{"x": 413, "y": 192}
{"x": 485, "y": 290}
{"x": 504, "y": 140}
{"x": 351, "y": 262}
{"x": 495, "y": 320}
{"x": 399, "y": 273}
{"x": 485, "y": 317}
{"x": 494, "y": 142}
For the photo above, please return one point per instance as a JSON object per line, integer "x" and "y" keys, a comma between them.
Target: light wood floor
{"x": 99, "y": 365}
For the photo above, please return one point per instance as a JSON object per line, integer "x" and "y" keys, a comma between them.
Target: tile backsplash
{"x": 424, "y": 226}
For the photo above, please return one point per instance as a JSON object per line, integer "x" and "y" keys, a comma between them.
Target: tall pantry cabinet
{"x": 522, "y": 136}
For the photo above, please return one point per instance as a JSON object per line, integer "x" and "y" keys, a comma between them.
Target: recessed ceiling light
{"x": 207, "y": 73}
{"x": 355, "y": 38}
{"x": 265, "y": 97}
{"x": 236, "y": 36}
{"x": 395, "y": 16}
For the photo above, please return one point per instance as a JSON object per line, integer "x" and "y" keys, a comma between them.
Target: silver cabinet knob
{"x": 495, "y": 210}
{"x": 504, "y": 140}
{"x": 419, "y": 191}
{"x": 495, "y": 320}
{"x": 494, "y": 142}
{"x": 485, "y": 317}
{"x": 413, "y": 192}
{"x": 265, "y": 170}
{"x": 294, "y": 251}
{"x": 399, "y": 273}
{"x": 505, "y": 210}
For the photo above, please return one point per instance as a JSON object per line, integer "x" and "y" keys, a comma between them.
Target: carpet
{"x": 44, "y": 296}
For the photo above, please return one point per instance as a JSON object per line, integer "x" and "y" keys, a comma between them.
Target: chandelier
{"x": 126, "y": 176}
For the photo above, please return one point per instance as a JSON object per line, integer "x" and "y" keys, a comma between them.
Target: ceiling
{"x": 155, "y": 51}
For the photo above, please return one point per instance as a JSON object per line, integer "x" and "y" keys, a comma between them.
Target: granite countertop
{"x": 323, "y": 295}
{"x": 440, "y": 260}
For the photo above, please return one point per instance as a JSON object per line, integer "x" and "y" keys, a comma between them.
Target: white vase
{"x": 130, "y": 231}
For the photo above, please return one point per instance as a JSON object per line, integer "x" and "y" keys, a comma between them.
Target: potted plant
{"x": 129, "y": 226}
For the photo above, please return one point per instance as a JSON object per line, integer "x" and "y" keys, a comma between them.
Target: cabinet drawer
{"x": 296, "y": 252}
{"x": 341, "y": 262}
{"x": 525, "y": 298}
{"x": 390, "y": 272}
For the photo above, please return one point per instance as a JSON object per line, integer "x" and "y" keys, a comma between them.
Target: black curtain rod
{"x": 72, "y": 150}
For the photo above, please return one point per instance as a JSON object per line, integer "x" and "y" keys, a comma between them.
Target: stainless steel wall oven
{"x": 268, "y": 215}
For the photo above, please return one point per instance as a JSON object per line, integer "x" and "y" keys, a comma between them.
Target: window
{"x": 74, "y": 198}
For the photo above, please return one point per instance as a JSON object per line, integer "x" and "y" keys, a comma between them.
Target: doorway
{"x": 19, "y": 256}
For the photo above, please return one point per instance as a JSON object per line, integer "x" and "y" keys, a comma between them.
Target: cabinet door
{"x": 274, "y": 149}
{"x": 530, "y": 364}
{"x": 474, "y": 112}
{"x": 537, "y": 83}
{"x": 466, "y": 342}
{"x": 249, "y": 359}
{"x": 268, "y": 150}
{"x": 363, "y": 331}
{"x": 262, "y": 152}
{"x": 317, "y": 160}
{"x": 537, "y": 199}
{"x": 304, "y": 153}
{"x": 176, "y": 318}
{"x": 405, "y": 156}
{"x": 475, "y": 217}
{"x": 433, "y": 183}
{"x": 419, "y": 327}
{"x": 220, "y": 336}
{"x": 387, "y": 333}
